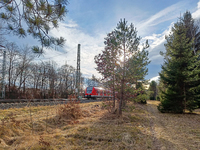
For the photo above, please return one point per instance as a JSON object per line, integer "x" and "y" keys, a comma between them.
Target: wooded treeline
{"x": 28, "y": 78}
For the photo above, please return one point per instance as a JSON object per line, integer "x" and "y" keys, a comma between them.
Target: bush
{"x": 107, "y": 104}
{"x": 142, "y": 98}
{"x": 158, "y": 98}
{"x": 71, "y": 110}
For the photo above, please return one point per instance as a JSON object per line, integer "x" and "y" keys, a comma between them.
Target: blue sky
{"x": 88, "y": 22}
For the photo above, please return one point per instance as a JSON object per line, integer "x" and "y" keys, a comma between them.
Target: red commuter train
{"x": 97, "y": 92}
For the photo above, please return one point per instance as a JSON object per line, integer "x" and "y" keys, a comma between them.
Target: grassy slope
{"x": 141, "y": 127}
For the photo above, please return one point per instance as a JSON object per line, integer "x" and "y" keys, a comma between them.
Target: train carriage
{"x": 97, "y": 92}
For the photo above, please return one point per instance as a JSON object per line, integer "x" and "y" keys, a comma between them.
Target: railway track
{"x": 20, "y": 103}
{"x": 28, "y": 100}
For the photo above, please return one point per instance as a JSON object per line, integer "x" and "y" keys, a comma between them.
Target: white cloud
{"x": 156, "y": 42}
{"x": 90, "y": 46}
{"x": 71, "y": 24}
{"x": 196, "y": 14}
{"x": 156, "y": 78}
{"x": 164, "y": 15}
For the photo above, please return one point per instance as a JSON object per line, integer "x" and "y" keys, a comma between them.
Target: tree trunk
{"x": 121, "y": 97}
{"x": 122, "y": 86}
{"x": 184, "y": 97}
{"x": 113, "y": 91}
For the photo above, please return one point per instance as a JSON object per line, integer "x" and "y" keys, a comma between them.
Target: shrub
{"x": 158, "y": 98}
{"x": 71, "y": 110}
{"x": 107, "y": 104}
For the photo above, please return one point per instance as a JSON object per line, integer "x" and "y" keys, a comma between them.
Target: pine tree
{"x": 193, "y": 32}
{"x": 153, "y": 89}
{"x": 128, "y": 42}
{"x": 122, "y": 62}
{"x": 107, "y": 62}
{"x": 33, "y": 17}
{"x": 179, "y": 72}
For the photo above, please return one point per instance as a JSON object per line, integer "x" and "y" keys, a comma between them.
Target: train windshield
{"x": 89, "y": 89}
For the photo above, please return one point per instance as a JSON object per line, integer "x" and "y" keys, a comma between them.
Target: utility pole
{"x": 78, "y": 73}
{"x": 3, "y": 74}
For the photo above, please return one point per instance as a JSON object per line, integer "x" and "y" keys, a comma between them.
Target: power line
{"x": 60, "y": 54}
{"x": 54, "y": 56}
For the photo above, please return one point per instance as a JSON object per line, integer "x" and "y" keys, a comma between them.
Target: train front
{"x": 88, "y": 92}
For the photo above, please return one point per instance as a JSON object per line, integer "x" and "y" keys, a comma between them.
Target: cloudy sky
{"x": 88, "y": 22}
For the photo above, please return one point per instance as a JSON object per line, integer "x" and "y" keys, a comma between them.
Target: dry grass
{"x": 175, "y": 131}
{"x": 141, "y": 127}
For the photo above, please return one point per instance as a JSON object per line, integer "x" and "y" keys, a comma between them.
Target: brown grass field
{"x": 91, "y": 126}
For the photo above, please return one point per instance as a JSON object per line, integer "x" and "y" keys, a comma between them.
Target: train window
{"x": 89, "y": 89}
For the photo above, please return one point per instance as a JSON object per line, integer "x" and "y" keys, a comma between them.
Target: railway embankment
{"x": 20, "y": 103}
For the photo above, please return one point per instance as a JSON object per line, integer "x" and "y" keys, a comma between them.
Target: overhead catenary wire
{"x": 48, "y": 58}
{"x": 73, "y": 49}
{"x": 53, "y": 56}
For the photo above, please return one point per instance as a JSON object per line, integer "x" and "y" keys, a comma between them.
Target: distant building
{"x": 146, "y": 86}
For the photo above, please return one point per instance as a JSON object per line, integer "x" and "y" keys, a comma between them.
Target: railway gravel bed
{"x": 41, "y": 103}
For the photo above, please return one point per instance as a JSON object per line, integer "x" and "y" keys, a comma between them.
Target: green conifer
{"x": 179, "y": 72}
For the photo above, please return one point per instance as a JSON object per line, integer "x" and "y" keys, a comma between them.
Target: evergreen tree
{"x": 179, "y": 72}
{"x": 193, "y": 32}
{"x": 153, "y": 89}
{"x": 107, "y": 62}
{"x": 128, "y": 42}
{"x": 33, "y": 17}
{"x": 122, "y": 62}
